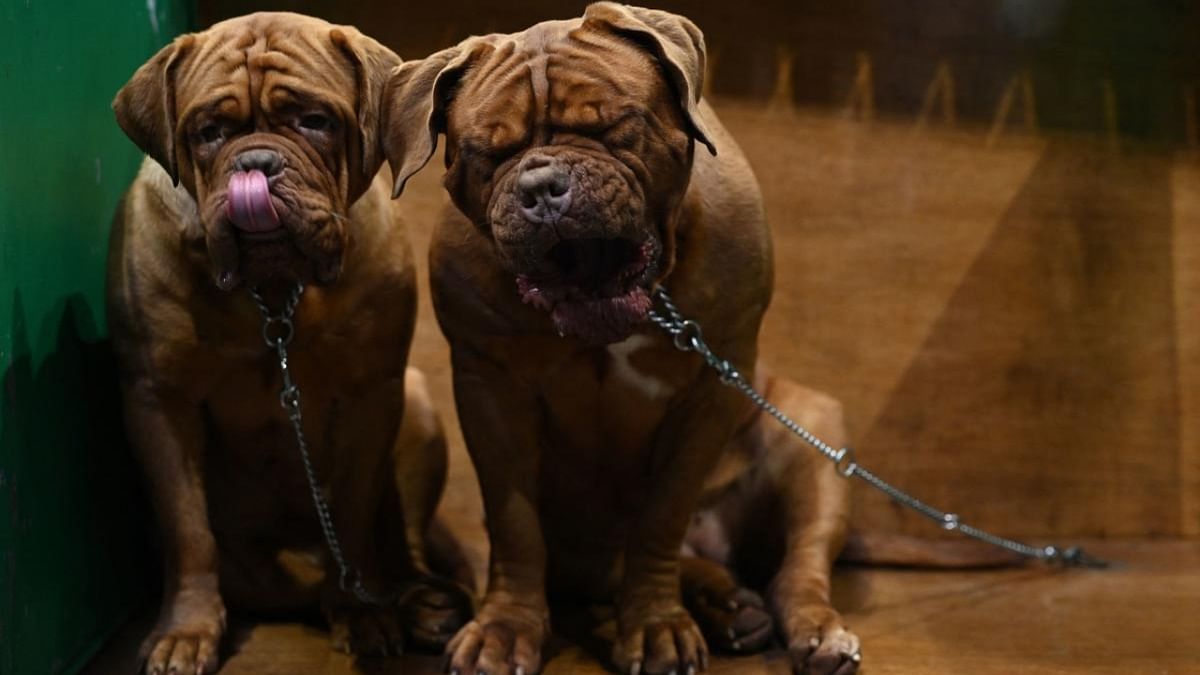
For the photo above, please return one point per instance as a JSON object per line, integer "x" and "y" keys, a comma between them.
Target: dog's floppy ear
{"x": 373, "y": 63}
{"x": 675, "y": 41}
{"x": 414, "y": 107}
{"x": 145, "y": 106}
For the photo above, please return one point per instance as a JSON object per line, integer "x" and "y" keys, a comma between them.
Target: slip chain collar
{"x": 689, "y": 338}
{"x": 278, "y": 331}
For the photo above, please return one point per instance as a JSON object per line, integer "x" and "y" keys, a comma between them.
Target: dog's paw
{"x": 502, "y": 640}
{"x": 820, "y": 644}
{"x": 366, "y": 630}
{"x": 434, "y": 609}
{"x": 188, "y": 634}
{"x": 732, "y": 619}
{"x": 659, "y": 642}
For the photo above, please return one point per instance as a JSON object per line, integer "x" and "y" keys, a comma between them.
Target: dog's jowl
{"x": 262, "y": 134}
{"x": 586, "y": 170}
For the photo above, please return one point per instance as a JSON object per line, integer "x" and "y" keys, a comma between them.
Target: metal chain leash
{"x": 689, "y": 338}
{"x": 278, "y": 331}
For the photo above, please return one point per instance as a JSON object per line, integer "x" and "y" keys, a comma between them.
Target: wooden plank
{"x": 1138, "y": 618}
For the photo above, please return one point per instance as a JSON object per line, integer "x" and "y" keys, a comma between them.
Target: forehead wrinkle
{"x": 496, "y": 72}
{"x": 593, "y": 53}
{"x": 582, "y": 81}
{"x": 301, "y": 78}
{"x": 540, "y": 88}
{"x": 214, "y": 72}
{"x": 312, "y": 52}
{"x": 493, "y": 85}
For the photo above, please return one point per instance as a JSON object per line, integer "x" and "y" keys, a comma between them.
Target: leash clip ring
{"x": 287, "y": 330}
{"x": 844, "y": 462}
{"x": 689, "y": 338}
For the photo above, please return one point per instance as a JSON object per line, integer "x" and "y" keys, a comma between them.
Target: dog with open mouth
{"x": 583, "y": 169}
{"x": 264, "y": 172}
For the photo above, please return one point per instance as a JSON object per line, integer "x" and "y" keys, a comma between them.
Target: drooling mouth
{"x": 594, "y": 289}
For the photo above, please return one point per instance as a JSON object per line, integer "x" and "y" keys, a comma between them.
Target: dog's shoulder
{"x": 147, "y": 247}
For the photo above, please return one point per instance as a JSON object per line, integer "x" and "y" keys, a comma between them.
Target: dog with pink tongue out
{"x": 262, "y": 173}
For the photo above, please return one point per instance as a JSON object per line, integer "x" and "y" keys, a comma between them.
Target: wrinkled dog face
{"x": 261, "y": 124}
{"x": 568, "y": 146}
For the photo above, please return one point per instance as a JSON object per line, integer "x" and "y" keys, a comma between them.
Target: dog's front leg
{"x": 500, "y": 423}
{"x": 167, "y": 434}
{"x": 815, "y": 509}
{"x": 655, "y": 634}
{"x": 354, "y": 468}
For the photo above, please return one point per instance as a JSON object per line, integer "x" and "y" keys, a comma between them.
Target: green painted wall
{"x": 73, "y": 557}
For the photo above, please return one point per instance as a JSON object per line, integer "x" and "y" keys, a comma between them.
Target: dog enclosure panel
{"x": 73, "y": 523}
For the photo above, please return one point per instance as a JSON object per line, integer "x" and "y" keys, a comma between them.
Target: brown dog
{"x": 570, "y": 152}
{"x": 264, "y": 134}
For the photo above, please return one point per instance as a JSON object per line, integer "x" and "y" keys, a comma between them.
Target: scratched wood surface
{"x": 1138, "y": 618}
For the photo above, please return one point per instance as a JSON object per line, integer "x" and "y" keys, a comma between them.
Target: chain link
{"x": 688, "y": 337}
{"x": 277, "y": 332}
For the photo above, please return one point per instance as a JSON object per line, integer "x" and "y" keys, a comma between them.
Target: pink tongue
{"x": 250, "y": 206}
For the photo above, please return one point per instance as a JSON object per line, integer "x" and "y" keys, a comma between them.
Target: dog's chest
{"x": 253, "y": 454}
{"x": 253, "y": 457}
{"x": 609, "y": 401}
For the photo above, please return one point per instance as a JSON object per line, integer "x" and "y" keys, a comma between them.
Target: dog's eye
{"x": 211, "y": 133}
{"x": 315, "y": 122}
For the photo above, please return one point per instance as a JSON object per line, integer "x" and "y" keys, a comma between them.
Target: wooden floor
{"x": 932, "y": 202}
{"x": 1141, "y": 618}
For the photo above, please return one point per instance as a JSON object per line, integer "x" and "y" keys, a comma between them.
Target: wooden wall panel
{"x": 1000, "y": 322}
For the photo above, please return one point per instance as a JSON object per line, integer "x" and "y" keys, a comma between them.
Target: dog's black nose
{"x": 544, "y": 186}
{"x": 267, "y": 161}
